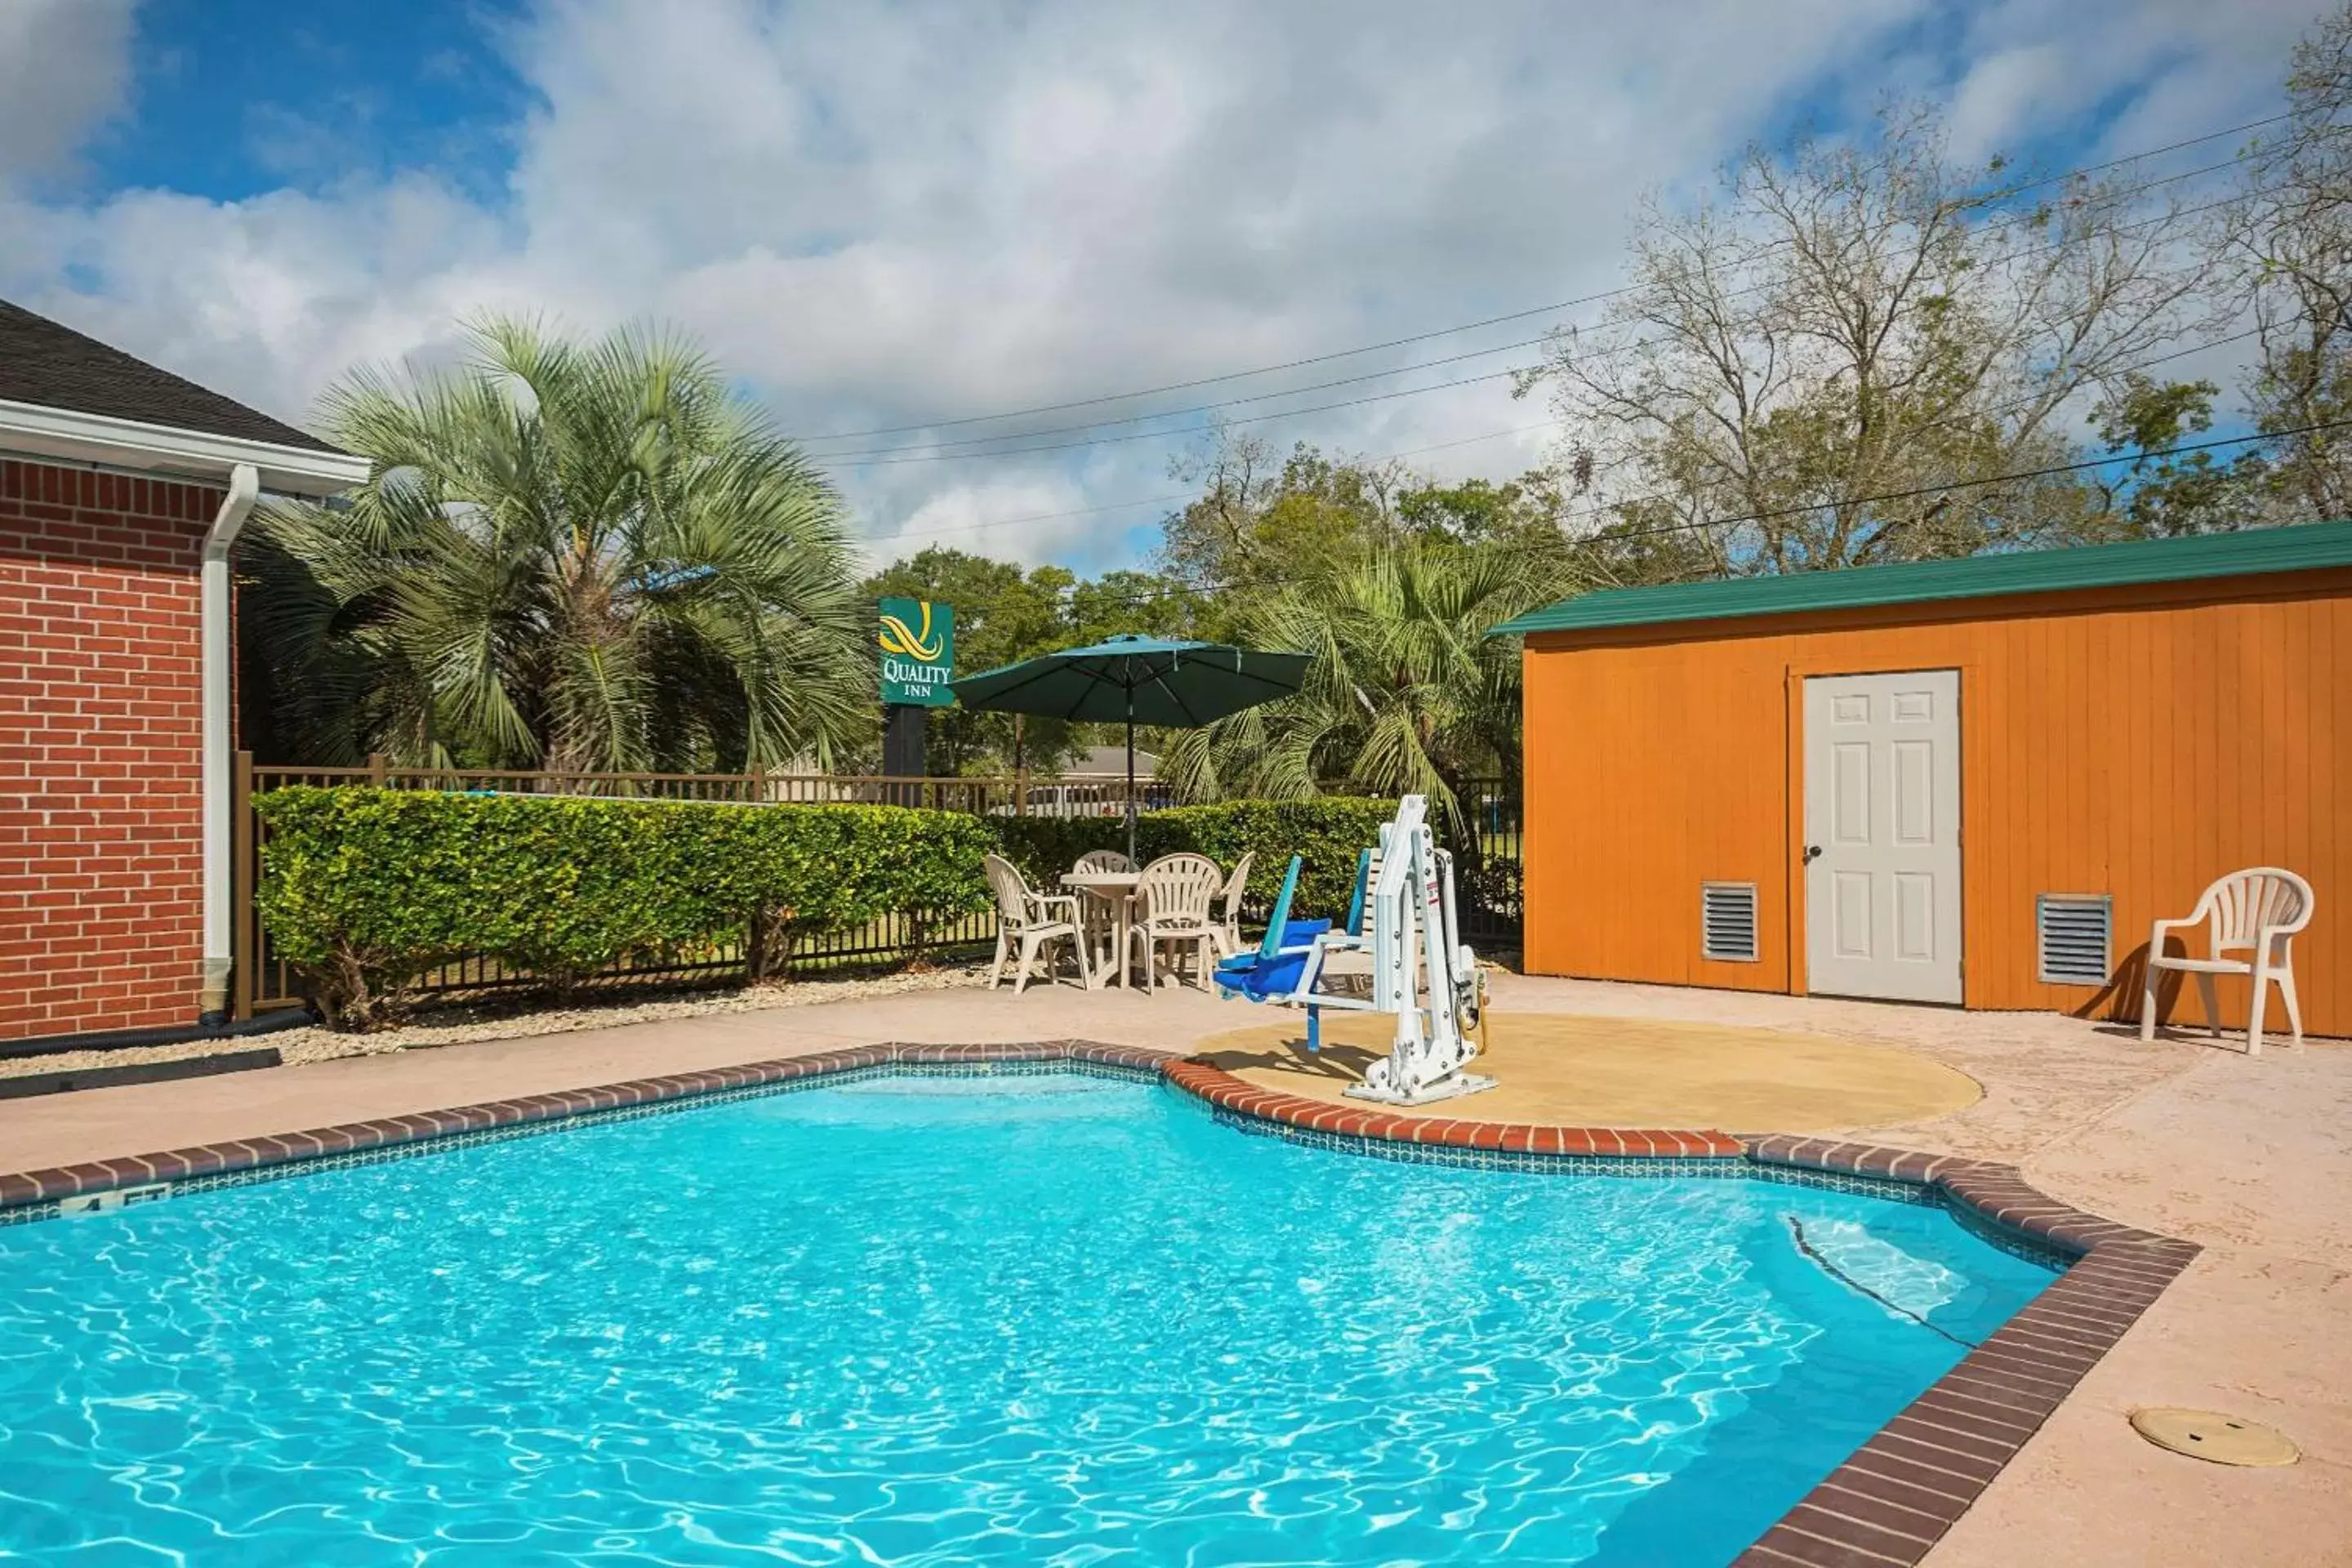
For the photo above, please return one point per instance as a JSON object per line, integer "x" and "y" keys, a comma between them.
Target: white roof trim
{"x": 38, "y": 431}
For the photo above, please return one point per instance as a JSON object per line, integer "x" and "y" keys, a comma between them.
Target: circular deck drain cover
{"x": 2210, "y": 1435}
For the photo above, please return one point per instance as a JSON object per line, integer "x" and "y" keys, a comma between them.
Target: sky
{"x": 887, "y": 216}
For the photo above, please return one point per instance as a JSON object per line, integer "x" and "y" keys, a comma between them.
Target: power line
{"x": 2005, "y": 194}
{"x": 896, "y": 456}
{"x": 1956, "y": 418}
{"x": 1463, "y": 441}
{"x": 1513, "y": 316}
{"x": 1229, "y": 375}
{"x": 1183, "y": 496}
{"x": 1179, "y": 498}
{"x": 893, "y": 462}
{"x": 884, "y": 456}
{"x": 1799, "y": 509}
{"x": 929, "y": 447}
{"x": 1527, "y": 429}
{"x": 1941, "y": 486}
{"x": 1046, "y": 516}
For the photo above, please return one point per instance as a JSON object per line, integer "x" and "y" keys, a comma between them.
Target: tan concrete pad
{"x": 1588, "y": 1071}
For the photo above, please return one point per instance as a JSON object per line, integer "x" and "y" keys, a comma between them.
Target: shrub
{"x": 1328, "y": 833}
{"x": 365, "y": 890}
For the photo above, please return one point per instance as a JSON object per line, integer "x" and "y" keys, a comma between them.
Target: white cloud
{"x": 270, "y": 298}
{"x": 64, "y": 69}
{"x": 2167, "y": 68}
{"x": 882, "y": 215}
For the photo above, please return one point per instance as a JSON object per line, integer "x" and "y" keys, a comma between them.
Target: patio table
{"x": 1115, "y": 888}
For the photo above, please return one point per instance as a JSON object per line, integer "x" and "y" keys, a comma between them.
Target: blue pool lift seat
{"x": 1402, "y": 920}
{"x": 1273, "y": 971}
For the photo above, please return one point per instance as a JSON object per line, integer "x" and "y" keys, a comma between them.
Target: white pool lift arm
{"x": 1410, "y": 904}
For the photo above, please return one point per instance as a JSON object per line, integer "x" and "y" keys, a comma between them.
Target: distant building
{"x": 1095, "y": 785}
{"x": 1112, "y": 760}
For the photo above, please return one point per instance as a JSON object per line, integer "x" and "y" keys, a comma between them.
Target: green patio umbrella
{"x": 1138, "y": 680}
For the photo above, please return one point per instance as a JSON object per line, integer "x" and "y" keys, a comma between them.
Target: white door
{"x": 1882, "y": 835}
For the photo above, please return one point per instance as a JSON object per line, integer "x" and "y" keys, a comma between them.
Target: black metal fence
{"x": 1485, "y": 849}
{"x": 1486, "y": 861}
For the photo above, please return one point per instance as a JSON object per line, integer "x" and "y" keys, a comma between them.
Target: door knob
{"x": 1812, "y": 853}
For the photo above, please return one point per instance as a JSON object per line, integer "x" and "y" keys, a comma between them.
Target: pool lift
{"x": 1404, "y": 891}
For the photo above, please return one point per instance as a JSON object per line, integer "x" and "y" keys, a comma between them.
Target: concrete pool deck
{"x": 2250, "y": 1158}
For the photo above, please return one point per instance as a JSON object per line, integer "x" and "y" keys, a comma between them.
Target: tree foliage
{"x": 1261, "y": 515}
{"x": 2288, "y": 246}
{"x": 1852, "y": 349}
{"x": 1006, "y": 612}
{"x": 568, "y": 555}
{"x": 2165, "y": 496}
{"x": 1862, "y": 319}
{"x": 1002, "y": 615}
{"x": 1407, "y": 693}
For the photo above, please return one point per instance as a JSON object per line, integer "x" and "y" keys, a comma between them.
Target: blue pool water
{"x": 933, "y": 1321}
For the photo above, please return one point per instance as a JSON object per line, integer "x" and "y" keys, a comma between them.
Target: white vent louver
{"x": 2074, "y": 930}
{"x": 1728, "y": 921}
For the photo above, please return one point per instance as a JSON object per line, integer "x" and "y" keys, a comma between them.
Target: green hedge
{"x": 1328, "y": 833}
{"x": 366, "y": 890}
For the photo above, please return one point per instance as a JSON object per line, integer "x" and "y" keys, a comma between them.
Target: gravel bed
{"x": 463, "y": 1024}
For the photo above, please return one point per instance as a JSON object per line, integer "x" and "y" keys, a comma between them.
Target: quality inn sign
{"x": 918, "y": 642}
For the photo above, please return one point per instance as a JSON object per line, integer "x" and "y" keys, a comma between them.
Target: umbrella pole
{"x": 1131, "y": 773}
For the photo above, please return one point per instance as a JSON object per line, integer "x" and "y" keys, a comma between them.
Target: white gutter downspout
{"x": 214, "y": 587}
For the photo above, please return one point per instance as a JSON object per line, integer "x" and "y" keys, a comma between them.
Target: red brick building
{"x": 122, "y": 489}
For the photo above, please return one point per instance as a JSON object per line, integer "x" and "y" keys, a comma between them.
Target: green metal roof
{"x": 2301, "y": 548}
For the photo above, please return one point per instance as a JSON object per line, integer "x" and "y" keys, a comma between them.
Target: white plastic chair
{"x": 2256, "y": 910}
{"x": 1173, "y": 899}
{"x": 1228, "y": 923}
{"x": 1030, "y": 921}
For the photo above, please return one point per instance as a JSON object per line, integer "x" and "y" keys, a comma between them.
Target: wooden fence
{"x": 1488, "y": 853}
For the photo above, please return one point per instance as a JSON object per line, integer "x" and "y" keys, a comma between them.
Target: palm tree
{"x": 570, "y": 556}
{"x": 1407, "y": 693}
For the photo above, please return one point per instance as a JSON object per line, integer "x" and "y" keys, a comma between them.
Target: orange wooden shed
{"x": 1973, "y": 782}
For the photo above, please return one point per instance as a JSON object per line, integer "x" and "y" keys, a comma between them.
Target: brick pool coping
{"x": 1889, "y": 1501}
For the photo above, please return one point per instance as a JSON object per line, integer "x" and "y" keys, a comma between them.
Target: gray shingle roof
{"x": 44, "y": 363}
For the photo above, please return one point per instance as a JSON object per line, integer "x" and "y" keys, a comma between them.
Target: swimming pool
{"x": 1043, "y": 1318}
